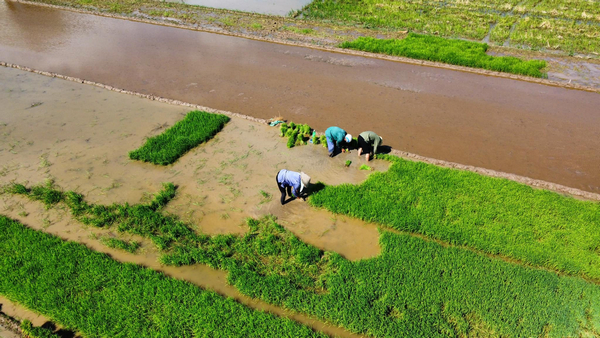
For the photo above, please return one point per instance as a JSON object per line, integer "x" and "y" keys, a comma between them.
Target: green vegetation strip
{"x": 569, "y": 26}
{"x": 141, "y": 219}
{"x": 414, "y": 289}
{"x": 496, "y": 216}
{"x": 30, "y": 331}
{"x": 129, "y": 246}
{"x": 451, "y": 51}
{"x": 90, "y": 293}
{"x": 197, "y": 127}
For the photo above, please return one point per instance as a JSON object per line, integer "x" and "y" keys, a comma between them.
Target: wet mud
{"x": 79, "y": 136}
{"x": 528, "y": 129}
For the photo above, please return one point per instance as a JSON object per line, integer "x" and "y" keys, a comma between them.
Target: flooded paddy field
{"x": 532, "y": 130}
{"x": 79, "y": 136}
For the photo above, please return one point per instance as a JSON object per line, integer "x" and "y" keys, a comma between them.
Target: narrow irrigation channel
{"x": 528, "y": 129}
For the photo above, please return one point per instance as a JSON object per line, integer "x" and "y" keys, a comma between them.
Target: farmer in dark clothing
{"x": 335, "y": 136}
{"x": 295, "y": 183}
{"x": 368, "y": 142}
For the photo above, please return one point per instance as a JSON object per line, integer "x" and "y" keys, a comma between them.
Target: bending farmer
{"x": 368, "y": 142}
{"x": 335, "y": 136}
{"x": 295, "y": 183}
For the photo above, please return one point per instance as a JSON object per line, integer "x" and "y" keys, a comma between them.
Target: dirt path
{"x": 527, "y": 129}
{"x": 79, "y": 136}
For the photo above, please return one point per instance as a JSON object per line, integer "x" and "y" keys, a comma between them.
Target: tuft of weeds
{"x": 451, "y": 51}
{"x": 89, "y": 292}
{"x": 365, "y": 167}
{"x": 197, "y": 127}
{"x": 115, "y": 243}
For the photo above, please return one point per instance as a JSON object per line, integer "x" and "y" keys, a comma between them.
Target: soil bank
{"x": 532, "y": 130}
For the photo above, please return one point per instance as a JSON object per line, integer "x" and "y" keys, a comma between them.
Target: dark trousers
{"x": 282, "y": 190}
{"x": 366, "y": 146}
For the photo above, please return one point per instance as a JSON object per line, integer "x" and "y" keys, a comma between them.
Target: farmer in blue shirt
{"x": 335, "y": 136}
{"x": 295, "y": 183}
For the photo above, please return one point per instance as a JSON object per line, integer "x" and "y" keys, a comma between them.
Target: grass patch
{"x": 88, "y": 292}
{"x": 451, "y": 51}
{"x": 197, "y": 127}
{"x": 496, "y": 216}
{"x": 414, "y": 288}
{"x": 129, "y": 246}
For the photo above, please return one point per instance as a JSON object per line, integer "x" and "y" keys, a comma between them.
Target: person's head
{"x": 348, "y": 138}
{"x": 304, "y": 182}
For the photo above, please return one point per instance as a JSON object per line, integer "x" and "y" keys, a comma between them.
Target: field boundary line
{"x": 325, "y": 48}
{"x": 403, "y": 154}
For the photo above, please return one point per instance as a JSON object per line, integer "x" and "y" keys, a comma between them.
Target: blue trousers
{"x": 330, "y": 145}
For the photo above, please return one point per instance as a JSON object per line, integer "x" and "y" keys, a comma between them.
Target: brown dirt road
{"x": 528, "y": 129}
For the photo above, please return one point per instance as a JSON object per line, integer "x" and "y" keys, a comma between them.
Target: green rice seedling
{"x": 365, "y": 167}
{"x": 452, "y": 51}
{"x": 496, "y": 216}
{"x": 31, "y": 331}
{"x": 315, "y": 139}
{"x": 292, "y": 125}
{"x": 197, "y": 127}
{"x": 141, "y": 219}
{"x": 324, "y": 140}
{"x": 415, "y": 288}
{"x": 348, "y": 163}
{"x": 90, "y": 293}
{"x": 283, "y": 129}
{"x": 129, "y": 246}
{"x": 292, "y": 139}
{"x": 306, "y": 129}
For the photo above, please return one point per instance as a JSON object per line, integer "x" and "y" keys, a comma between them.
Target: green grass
{"x": 88, "y": 292}
{"x": 496, "y": 216}
{"x": 415, "y": 288}
{"x": 197, "y": 127}
{"x": 451, "y": 51}
{"x": 31, "y": 331}
{"x": 365, "y": 167}
{"x": 129, "y": 246}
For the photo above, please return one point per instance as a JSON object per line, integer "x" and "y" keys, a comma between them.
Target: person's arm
{"x": 376, "y": 144}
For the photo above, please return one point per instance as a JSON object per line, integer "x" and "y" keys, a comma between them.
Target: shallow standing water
{"x": 528, "y": 129}
{"x": 276, "y": 7}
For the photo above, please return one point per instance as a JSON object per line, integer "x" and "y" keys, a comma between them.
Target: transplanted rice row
{"x": 414, "y": 288}
{"x": 197, "y": 127}
{"x": 91, "y": 293}
{"x": 451, "y": 51}
{"x": 496, "y": 216}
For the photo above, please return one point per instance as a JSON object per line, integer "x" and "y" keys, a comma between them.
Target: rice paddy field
{"x": 572, "y": 26}
{"x": 143, "y": 219}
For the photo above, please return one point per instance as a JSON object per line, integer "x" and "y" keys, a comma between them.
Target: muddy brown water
{"x": 80, "y": 135}
{"x": 533, "y": 130}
